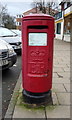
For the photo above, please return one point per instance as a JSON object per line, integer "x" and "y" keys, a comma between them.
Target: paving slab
{"x": 58, "y": 69}
{"x": 62, "y": 47}
{"x": 64, "y": 74}
{"x": 64, "y": 62}
{"x": 71, "y": 101}
{"x": 58, "y": 112}
{"x": 28, "y": 113}
{"x": 58, "y": 88}
{"x": 66, "y": 69}
{"x": 61, "y": 80}
{"x": 63, "y": 98}
{"x": 67, "y": 87}
{"x": 55, "y": 99}
{"x": 60, "y": 65}
{"x": 55, "y": 75}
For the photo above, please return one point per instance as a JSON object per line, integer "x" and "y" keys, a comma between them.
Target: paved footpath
{"x": 60, "y": 89}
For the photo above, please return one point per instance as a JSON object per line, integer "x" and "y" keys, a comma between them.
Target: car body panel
{"x": 11, "y": 38}
{"x": 18, "y": 32}
{"x": 6, "y": 60}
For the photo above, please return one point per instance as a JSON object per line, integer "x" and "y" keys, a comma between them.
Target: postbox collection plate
{"x": 38, "y": 39}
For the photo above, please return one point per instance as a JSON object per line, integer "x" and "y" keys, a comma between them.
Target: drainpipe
{"x": 71, "y": 30}
{"x": 63, "y": 27}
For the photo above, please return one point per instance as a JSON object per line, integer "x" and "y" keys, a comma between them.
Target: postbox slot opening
{"x": 38, "y": 27}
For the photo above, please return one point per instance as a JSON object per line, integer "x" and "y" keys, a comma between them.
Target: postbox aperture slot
{"x": 38, "y": 27}
{"x": 37, "y": 39}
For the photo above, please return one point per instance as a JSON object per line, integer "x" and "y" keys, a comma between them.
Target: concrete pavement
{"x": 60, "y": 89}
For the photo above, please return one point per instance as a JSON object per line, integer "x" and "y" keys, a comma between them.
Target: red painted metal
{"x": 37, "y": 61}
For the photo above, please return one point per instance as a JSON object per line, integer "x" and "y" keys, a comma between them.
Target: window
{"x": 19, "y": 23}
{"x": 19, "y": 16}
{"x": 37, "y": 39}
{"x": 65, "y": 5}
{"x": 58, "y": 28}
{"x": 58, "y": 15}
{"x": 68, "y": 4}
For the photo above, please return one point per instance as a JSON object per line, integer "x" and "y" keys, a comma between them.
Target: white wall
{"x": 67, "y": 38}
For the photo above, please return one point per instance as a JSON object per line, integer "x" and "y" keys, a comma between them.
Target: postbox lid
{"x": 37, "y": 16}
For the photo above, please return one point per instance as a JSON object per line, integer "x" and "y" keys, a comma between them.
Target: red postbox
{"x": 37, "y": 56}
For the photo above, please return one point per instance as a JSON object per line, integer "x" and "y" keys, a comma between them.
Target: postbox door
{"x": 38, "y": 53}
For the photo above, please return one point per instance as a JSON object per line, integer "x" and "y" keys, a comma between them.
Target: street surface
{"x": 9, "y": 80}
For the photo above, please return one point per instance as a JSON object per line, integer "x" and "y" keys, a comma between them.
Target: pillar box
{"x": 37, "y": 57}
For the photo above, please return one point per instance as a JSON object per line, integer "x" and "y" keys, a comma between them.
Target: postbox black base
{"x": 37, "y": 98}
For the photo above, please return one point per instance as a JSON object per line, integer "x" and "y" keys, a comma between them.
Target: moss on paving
{"x": 28, "y": 106}
{"x": 32, "y": 106}
{"x": 51, "y": 107}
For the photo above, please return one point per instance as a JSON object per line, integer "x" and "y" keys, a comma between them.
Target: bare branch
{"x": 44, "y": 5}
